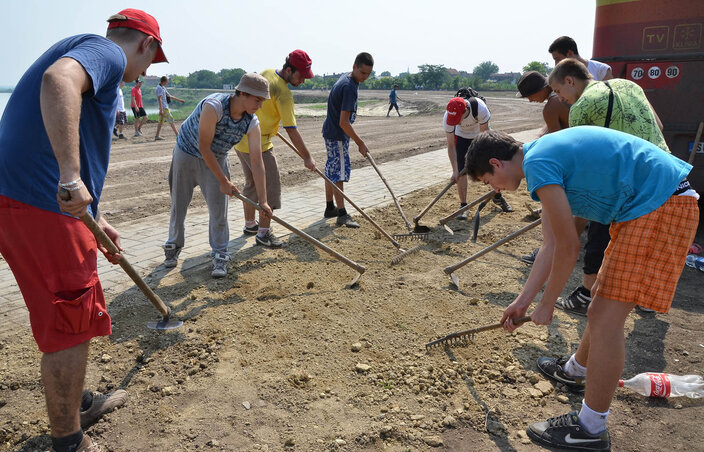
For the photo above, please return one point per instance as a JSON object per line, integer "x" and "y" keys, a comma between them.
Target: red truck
{"x": 659, "y": 45}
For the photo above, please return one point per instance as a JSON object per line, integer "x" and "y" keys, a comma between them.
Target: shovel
{"x": 459, "y": 211}
{"x": 165, "y": 323}
{"x": 453, "y": 338}
{"x": 424, "y": 229}
{"x": 411, "y": 235}
{"x": 397, "y": 258}
{"x": 451, "y": 269}
{"x": 359, "y": 268}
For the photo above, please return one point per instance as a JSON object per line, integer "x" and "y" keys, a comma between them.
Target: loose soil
{"x": 283, "y": 355}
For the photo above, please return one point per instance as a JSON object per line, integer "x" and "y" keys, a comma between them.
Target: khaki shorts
{"x": 166, "y": 117}
{"x": 273, "y": 181}
{"x": 645, "y": 257}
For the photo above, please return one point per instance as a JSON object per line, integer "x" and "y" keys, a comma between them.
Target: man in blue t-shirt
{"x": 337, "y": 131}
{"x": 614, "y": 178}
{"x": 58, "y": 138}
{"x": 392, "y": 101}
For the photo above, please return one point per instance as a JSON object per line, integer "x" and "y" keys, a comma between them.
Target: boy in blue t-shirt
{"x": 611, "y": 177}
{"x": 337, "y": 131}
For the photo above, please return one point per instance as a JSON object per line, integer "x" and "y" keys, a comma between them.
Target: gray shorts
{"x": 273, "y": 181}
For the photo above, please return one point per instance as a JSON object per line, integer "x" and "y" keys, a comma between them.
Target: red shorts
{"x": 54, "y": 260}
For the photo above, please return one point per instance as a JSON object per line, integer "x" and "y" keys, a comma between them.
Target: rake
{"x": 421, "y": 228}
{"x": 462, "y": 209}
{"x": 455, "y": 338}
{"x": 410, "y": 235}
{"x": 403, "y": 253}
{"x": 166, "y": 323}
{"x": 451, "y": 269}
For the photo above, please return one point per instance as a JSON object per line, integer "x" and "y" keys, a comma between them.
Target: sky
{"x": 400, "y": 35}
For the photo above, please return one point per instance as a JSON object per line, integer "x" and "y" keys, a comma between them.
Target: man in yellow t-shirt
{"x": 276, "y": 110}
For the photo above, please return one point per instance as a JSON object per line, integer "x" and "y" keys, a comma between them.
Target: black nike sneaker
{"x": 566, "y": 433}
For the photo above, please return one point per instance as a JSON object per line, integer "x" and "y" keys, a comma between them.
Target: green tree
{"x": 485, "y": 69}
{"x": 178, "y": 80}
{"x": 432, "y": 75}
{"x": 386, "y": 74}
{"x": 543, "y": 68}
{"x": 204, "y": 79}
{"x": 231, "y": 76}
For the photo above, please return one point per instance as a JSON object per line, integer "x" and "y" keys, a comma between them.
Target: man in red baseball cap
{"x": 464, "y": 119}
{"x": 278, "y": 109}
{"x": 58, "y": 138}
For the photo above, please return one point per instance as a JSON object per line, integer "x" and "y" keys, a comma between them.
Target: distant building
{"x": 511, "y": 77}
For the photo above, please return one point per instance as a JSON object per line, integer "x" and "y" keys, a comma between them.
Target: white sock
{"x": 249, "y": 224}
{"x": 574, "y": 369}
{"x": 262, "y": 232}
{"x": 592, "y": 421}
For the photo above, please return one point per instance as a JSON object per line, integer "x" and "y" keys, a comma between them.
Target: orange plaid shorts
{"x": 645, "y": 257}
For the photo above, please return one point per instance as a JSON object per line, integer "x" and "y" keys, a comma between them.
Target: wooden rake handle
{"x": 337, "y": 189}
{"x": 103, "y": 238}
{"x": 417, "y": 218}
{"x": 388, "y": 187}
{"x": 696, "y": 143}
{"x": 359, "y": 268}
{"x": 450, "y": 338}
{"x": 513, "y": 235}
{"x": 467, "y": 207}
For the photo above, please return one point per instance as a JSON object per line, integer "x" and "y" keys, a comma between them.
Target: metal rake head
{"x": 422, "y": 236}
{"x": 450, "y": 341}
{"x": 403, "y": 253}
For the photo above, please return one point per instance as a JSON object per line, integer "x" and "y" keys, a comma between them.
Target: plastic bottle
{"x": 665, "y": 385}
{"x": 695, "y": 261}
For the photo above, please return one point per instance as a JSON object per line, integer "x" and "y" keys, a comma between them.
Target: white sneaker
{"x": 220, "y": 261}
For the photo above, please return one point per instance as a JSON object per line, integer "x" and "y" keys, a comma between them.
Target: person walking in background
{"x": 565, "y": 47}
{"x": 140, "y": 115}
{"x": 163, "y": 98}
{"x": 337, "y": 131}
{"x": 120, "y": 114}
{"x": 462, "y": 122}
{"x": 392, "y": 101}
{"x": 58, "y": 137}
{"x": 278, "y": 109}
{"x": 218, "y": 122}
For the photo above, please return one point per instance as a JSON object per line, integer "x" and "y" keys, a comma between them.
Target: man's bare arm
{"x": 346, "y": 126}
{"x": 60, "y": 100}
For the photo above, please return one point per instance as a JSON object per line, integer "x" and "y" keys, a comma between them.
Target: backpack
{"x": 471, "y": 95}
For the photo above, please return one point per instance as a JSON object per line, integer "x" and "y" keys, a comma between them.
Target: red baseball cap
{"x": 302, "y": 62}
{"x": 141, "y": 21}
{"x": 455, "y": 110}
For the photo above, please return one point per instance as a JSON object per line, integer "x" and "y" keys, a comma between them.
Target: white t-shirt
{"x": 120, "y": 100}
{"x": 161, "y": 93}
{"x": 598, "y": 69}
{"x": 469, "y": 127}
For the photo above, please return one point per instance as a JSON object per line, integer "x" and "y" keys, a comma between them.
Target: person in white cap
{"x": 57, "y": 138}
{"x": 219, "y": 122}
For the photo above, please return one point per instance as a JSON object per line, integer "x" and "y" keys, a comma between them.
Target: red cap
{"x": 301, "y": 61}
{"x": 141, "y": 21}
{"x": 455, "y": 110}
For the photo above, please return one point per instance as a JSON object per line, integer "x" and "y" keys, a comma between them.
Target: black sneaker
{"x": 331, "y": 212}
{"x": 577, "y": 302}
{"x": 565, "y": 432}
{"x": 552, "y": 368}
{"x": 501, "y": 202}
{"x": 114, "y": 131}
{"x": 251, "y": 230}
{"x": 530, "y": 258}
{"x": 346, "y": 220}
{"x": 269, "y": 240}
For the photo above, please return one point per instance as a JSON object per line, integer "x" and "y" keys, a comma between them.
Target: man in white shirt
{"x": 565, "y": 47}
{"x": 463, "y": 121}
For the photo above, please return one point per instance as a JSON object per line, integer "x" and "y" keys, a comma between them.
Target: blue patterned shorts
{"x": 337, "y": 167}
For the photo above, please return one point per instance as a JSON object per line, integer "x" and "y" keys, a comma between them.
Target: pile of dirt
{"x": 283, "y": 355}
